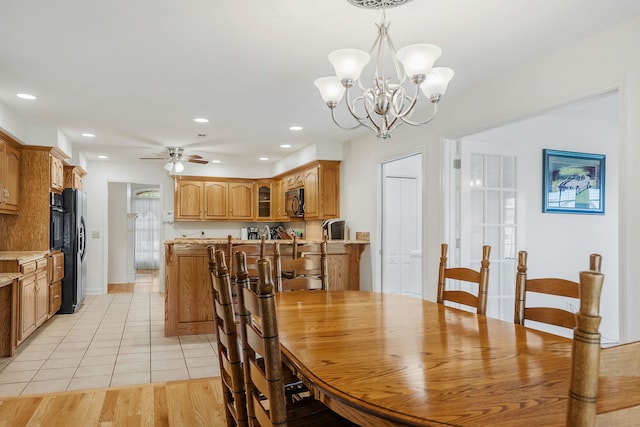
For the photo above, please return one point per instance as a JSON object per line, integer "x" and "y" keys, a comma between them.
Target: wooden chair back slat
{"x": 547, "y": 286}
{"x": 461, "y": 297}
{"x": 306, "y": 261}
{"x": 481, "y": 278}
{"x": 551, "y": 316}
{"x": 227, "y": 341}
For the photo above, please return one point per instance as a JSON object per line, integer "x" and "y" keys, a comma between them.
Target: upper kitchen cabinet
{"x": 264, "y": 201}
{"x": 241, "y": 200}
{"x": 198, "y": 199}
{"x": 30, "y": 229}
{"x": 188, "y": 199}
{"x": 322, "y": 190}
{"x": 57, "y": 173}
{"x": 277, "y": 200}
{"x": 9, "y": 176}
{"x": 73, "y": 177}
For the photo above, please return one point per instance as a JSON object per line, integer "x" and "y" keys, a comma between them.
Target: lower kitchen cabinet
{"x": 55, "y": 276}
{"x": 32, "y": 302}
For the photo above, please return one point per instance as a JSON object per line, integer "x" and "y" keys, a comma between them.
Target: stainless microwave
{"x": 294, "y": 203}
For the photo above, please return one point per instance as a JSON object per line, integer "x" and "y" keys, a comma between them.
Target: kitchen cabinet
{"x": 277, "y": 200}
{"x": 213, "y": 200}
{"x": 216, "y": 200}
{"x": 9, "y": 177}
{"x": 264, "y": 202}
{"x": 188, "y": 299}
{"x": 55, "y": 274}
{"x": 73, "y": 177}
{"x": 57, "y": 173}
{"x": 188, "y": 200}
{"x": 322, "y": 191}
{"x": 241, "y": 200}
{"x": 33, "y": 289}
{"x": 295, "y": 180}
{"x": 30, "y": 230}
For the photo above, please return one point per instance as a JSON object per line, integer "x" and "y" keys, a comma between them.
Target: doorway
{"x": 401, "y": 211}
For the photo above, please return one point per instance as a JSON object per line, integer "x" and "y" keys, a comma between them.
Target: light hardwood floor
{"x": 177, "y": 403}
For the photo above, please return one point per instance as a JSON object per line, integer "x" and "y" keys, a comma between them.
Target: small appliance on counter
{"x": 334, "y": 229}
{"x": 253, "y": 233}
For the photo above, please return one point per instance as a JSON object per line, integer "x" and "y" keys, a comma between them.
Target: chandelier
{"x": 174, "y": 160}
{"x": 390, "y": 99}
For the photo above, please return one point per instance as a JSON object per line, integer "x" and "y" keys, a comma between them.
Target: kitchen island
{"x": 188, "y": 301}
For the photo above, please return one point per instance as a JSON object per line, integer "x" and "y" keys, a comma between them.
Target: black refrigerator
{"x": 73, "y": 247}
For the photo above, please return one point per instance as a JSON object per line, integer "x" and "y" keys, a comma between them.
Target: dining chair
{"x": 253, "y": 252}
{"x": 305, "y": 269}
{"x": 547, "y": 286}
{"x": 598, "y": 373}
{"x": 264, "y": 379}
{"x": 479, "y": 277}
{"x": 229, "y": 358}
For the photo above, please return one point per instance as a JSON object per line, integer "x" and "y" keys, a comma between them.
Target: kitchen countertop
{"x": 7, "y": 278}
{"x": 22, "y": 256}
{"x": 222, "y": 241}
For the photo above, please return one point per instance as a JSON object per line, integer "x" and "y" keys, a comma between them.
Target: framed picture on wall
{"x": 572, "y": 182}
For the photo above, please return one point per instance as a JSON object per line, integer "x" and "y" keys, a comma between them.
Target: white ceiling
{"x": 135, "y": 72}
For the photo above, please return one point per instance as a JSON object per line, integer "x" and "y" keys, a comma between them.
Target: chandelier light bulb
{"x": 417, "y": 59}
{"x": 179, "y": 166}
{"x": 331, "y": 89}
{"x": 349, "y": 63}
{"x": 436, "y": 83}
{"x": 169, "y": 166}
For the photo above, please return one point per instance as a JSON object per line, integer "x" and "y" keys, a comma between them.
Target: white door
{"x": 489, "y": 212}
{"x": 401, "y": 227}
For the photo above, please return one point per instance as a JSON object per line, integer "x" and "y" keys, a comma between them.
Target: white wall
{"x": 117, "y": 233}
{"x": 594, "y": 66}
{"x": 559, "y": 244}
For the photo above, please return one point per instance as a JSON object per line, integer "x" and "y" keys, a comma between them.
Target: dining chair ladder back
{"x": 306, "y": 269}
{"x": 548, "y": 286}
{"x": 480, "y": 277}
{"x": 597, "y": 372}
{"x": 265, "y": 385}
{"x": 229, "y": 357}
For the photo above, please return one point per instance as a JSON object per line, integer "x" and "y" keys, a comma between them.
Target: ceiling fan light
{"x": 436, "y": 82}
{"x": 417, "y": 59}
{"x": 168, "y": 166}
{"x": 330, "y": 89}
{"x": 349, "y": 63}
{"x": 179, "y": 166}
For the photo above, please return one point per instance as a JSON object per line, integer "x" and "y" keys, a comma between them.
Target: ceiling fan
{"x": 175, "y": 158}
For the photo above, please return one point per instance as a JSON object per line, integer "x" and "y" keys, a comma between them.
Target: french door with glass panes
{"x": 489, "y": 212}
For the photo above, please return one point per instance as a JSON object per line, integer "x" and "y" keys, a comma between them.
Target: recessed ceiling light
{"x": 285, "y": 145}
{"x": 214, "y": 161}
{"x": 202, "y": 135}
{"x": 103, "y": 157}
{"x": 88, "y": 135}
{"x": 26, "y": 96}
{"x": 295, "y": 128}
{"x": 263, "y": 158}
{"x": 201, "y": 120}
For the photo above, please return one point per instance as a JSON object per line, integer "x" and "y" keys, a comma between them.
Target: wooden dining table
{"x": 381, "y": 359}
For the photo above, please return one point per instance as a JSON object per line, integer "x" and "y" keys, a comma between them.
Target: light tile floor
{"x": 112, "y": 340}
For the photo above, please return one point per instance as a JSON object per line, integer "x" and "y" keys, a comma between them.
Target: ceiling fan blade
{"x": 192, "y": 156}
{"x": 152, "y": 158}
{"x": 199, "y": 161}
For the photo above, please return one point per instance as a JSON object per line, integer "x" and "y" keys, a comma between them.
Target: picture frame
{"x": 573, "y": 182}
